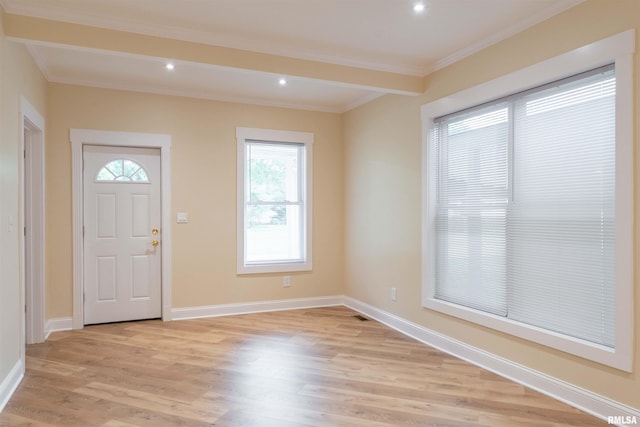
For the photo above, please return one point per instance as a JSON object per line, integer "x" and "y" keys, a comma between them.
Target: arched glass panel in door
{"x": 122, "y": 170}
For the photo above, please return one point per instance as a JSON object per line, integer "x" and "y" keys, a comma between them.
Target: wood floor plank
{"x": 413, "y": 406}
{"x": 19, "y": 421}
{"x": 317, "y": 367}
{"x": 116, "y": 423}
{"x": 152, "y": 402}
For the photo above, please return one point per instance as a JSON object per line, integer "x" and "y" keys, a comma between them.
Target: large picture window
{"x": 274, "y": 191}
{"x": 528, "y": 223}
{"x": 525, "y": 223}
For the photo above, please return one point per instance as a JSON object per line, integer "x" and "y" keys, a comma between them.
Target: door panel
{"x": 106, "y": 226}
{"x": 122, "y": 279}
{"x": 140, "y": 214}
{"x": 106, "y": 278}
{"x": 140, "y": 274}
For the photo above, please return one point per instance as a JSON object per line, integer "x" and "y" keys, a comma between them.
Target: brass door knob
{"x": 155, "y": 243}
{"x": 154, "y": 231}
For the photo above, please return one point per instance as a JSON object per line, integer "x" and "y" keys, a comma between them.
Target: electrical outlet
{"x": 394, "y": 294}
{"x": 286, "y": 281}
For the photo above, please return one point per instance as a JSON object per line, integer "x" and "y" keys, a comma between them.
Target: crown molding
{"x": 41, "y": 63}
{"x": 362, "y": 100}
{"x": 534, "y": 19}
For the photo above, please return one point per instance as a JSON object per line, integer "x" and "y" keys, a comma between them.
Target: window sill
{"x": 618, "y": 359}
{"x": 274, "y": 268}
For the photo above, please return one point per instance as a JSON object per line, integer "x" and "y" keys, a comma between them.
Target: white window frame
{"x": 270, "y": 136}
{"x": 618, "y": 49}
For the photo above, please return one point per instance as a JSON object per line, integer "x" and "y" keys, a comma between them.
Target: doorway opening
{"x": 33, "y": 222}
{"x": 81, "y": 138}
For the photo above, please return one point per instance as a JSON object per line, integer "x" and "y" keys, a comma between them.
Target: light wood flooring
{"x": 311, "y": 367}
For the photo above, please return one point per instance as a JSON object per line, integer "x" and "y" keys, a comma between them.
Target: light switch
{"x": 182, "y": 218}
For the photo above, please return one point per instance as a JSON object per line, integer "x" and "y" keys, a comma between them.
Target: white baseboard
{"x": 254, "y": 307}
{"x": 56, "y": 325}
{"x": 11, "y": 383}
{"x": 577, "y": 397}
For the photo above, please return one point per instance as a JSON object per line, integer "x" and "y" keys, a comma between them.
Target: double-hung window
{"x": 274, "y": 200}
{"x": 527, "y": 232}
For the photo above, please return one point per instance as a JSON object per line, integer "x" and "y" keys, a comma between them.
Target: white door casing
{"x": 122, "y": 250}
{"x": 81, "y": 137}
{"x": 32, "y": 222}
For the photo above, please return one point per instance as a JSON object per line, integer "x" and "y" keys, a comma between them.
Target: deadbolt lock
{"x": 154, "y": 231}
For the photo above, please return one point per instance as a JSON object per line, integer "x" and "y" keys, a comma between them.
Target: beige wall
{"x": 203, "y": 183}
{"x": 382, "y": 142}
{"x": 18, "y": 77}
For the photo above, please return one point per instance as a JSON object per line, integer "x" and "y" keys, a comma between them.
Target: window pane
{"x": 130, "y": 168}
{"x": 115, "y": 167}
{"x": 105, "y": 175}
{"x": 273, "y": 172}
{"x": 471, "y": 267}
{"x": 474, "y": 158}
{"x": 273, "y": 233}
{"x": 473, "y": 154}
{"x": 562, "y": 224}
{"x": 140, "y": 176}
{"x": 122, "y": 171}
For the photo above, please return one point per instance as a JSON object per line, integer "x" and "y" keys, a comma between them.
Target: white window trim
{"x": 275, "y": 136}
{"x": 619, "y": 49}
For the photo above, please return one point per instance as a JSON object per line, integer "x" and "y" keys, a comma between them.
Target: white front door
{"x": 122, "y": 236}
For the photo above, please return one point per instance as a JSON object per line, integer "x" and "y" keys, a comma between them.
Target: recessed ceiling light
{"x": 170, "y": 66}
{"x": 419, "y": 7}
{"x": 282, "y": 81}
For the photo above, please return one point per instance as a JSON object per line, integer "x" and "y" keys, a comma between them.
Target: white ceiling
{"x": 382, "y": 35}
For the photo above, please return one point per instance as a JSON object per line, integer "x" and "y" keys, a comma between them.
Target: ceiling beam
{"x": 46, "y": 31}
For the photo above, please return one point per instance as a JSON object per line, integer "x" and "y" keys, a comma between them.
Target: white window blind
{"x": 525, "y": 212}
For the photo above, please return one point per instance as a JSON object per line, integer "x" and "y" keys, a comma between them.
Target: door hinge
{"x": 25, "y": 231}
{"x": 83, "y": 231}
